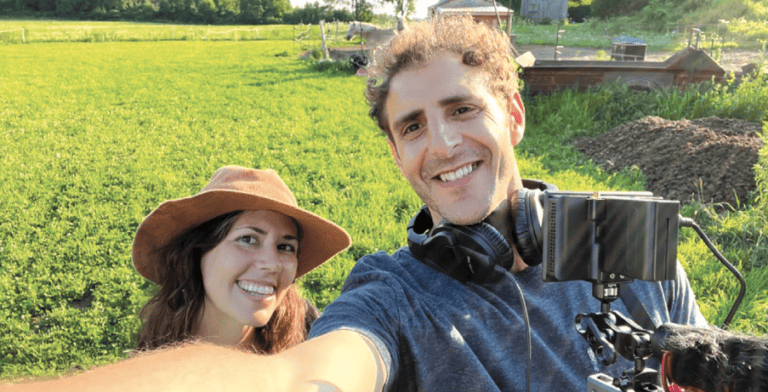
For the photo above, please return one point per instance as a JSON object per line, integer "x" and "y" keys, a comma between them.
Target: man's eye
{"x": 411, "y": 128}
{"x": 462, "y": 110}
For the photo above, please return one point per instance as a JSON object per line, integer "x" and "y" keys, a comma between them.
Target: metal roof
{"x": 466, "y": 4}
{"x": 628, "y": 40}
{"x": 473, "y": 11}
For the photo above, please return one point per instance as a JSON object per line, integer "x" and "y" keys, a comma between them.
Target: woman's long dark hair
{"x": 173, "y": 315}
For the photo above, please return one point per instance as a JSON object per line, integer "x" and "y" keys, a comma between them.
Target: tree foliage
{"x": 611, "y": 8}
{"x": 263, "y": 11}
{"x": 410, "y": 6}
{"x": 187, "y": 11}
{"x": 314, "y": 12}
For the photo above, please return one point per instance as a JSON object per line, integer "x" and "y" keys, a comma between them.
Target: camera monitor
{"x": 608, "y": 237}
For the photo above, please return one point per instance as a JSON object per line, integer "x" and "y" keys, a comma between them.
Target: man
{"x": 447, "y": 99}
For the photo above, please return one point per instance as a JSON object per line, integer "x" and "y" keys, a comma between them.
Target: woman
{"x": 226, "y": 261}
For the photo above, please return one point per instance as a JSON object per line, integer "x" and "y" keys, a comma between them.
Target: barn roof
{"x": 472, "y": 6}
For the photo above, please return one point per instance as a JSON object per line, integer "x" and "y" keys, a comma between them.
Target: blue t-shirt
{"x": 437, "y": 334}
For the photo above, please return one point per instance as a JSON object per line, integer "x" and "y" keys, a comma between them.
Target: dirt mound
{"x": 708, "y": 159}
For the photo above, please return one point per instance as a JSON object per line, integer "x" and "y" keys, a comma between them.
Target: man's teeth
{"x": 458, "y": 173}
{"x": 256, "y": 289}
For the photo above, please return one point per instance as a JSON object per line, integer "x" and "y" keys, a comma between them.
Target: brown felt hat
{"x": 235, "y": 188}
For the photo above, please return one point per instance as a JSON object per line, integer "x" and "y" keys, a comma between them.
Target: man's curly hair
{"x": 478, "y": 44}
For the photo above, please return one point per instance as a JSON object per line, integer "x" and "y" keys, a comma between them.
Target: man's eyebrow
{"x": 408, "y": 117}
{"x": 454, "y": 99}
{"x": 419, "y": 112}
{"x": 263, "y": 232}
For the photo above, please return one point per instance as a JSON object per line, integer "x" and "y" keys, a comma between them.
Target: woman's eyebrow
{"x": 264, "y": 232}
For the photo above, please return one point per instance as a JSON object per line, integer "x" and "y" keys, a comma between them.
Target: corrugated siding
{"x": 540, "y": 9}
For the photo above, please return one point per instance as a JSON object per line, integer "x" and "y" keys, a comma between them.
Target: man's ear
{"x": 395, "y": 155}
{"x": 517, "y": 117}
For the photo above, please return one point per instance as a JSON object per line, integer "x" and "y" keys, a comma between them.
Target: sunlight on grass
{"x": 93, "y": 136}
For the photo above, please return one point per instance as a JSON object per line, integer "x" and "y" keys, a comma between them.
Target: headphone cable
{"x": 688, "y": 222}
{"x": 527, "y": 334}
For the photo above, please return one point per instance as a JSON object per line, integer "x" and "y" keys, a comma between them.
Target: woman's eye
{"x": 287, "y": 247}
{"x": 246, "y": 239}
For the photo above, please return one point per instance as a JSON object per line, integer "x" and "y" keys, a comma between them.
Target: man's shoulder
{"x": 398, "y": 262}
{"x": 400, "y": 271}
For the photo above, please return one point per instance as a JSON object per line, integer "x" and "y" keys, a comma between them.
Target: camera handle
{"x": 610, "y": 333}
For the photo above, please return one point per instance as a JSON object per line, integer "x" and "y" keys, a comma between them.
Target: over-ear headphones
{"x": 479, "y": 253}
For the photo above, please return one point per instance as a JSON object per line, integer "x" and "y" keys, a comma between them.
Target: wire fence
{"x": 306, "y": 35}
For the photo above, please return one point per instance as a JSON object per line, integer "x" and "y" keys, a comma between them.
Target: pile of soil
{"x": 708, "y": 159}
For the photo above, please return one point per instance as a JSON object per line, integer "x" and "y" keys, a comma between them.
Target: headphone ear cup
{"x": 528, "y": 218}
{"x": 493, "y": 268}
{"x": 482, "y": 255}
{"x": 502, "y": 253}
{"x": 417, "y": 229}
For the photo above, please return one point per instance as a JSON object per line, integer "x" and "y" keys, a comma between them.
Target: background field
{"x": 594, "y": 34}
{"x": 93, "y": 136}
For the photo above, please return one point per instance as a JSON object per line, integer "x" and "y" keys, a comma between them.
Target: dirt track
{"x": 733, "y": 59}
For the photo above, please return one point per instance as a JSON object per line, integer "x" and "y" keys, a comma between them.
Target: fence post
{"x": 322, "y": 38}
{"x": 23, "y": 39}
{"x": 557, "y": 40}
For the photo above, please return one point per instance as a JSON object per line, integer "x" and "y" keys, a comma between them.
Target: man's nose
{"x": 445, "y": 137}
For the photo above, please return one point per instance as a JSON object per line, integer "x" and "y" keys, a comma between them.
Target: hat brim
{"x": 322, "y": 239}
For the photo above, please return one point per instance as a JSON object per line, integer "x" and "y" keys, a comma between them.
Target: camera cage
{"x": 610, "y": 238}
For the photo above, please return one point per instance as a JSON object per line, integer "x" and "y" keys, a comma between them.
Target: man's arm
{"x": 342, "y": 361}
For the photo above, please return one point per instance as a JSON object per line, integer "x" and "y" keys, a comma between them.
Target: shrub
{"x": 611, "y": 8}
{"x": 334, "y": 66}
{"x": 579, "y": 13}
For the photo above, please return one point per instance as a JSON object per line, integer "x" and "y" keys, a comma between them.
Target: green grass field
{"x": 93, "y": 136}
{"x": 46, "y": 31}
{"x": 595, "y": 35}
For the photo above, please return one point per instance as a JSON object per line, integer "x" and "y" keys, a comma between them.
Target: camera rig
{"x": 610, "y": 238}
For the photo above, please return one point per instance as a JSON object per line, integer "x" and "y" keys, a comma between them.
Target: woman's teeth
{"x": 256, "y": 289}
{"x": 458, "y": 173}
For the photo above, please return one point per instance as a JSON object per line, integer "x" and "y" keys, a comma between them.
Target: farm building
{"x": 537, "y": 10}
{"x": 481, "y": 10}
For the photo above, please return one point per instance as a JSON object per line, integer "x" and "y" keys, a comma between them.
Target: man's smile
{"x": 456, "y": 174}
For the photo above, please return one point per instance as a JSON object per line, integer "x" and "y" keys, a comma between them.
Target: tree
{"x": 263, "y": 11}
{"x": 363, "y": 10}
{"x": 313, "y": 13}
{"x": 409, "y": 10}
{"x": 206, "y": 10}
